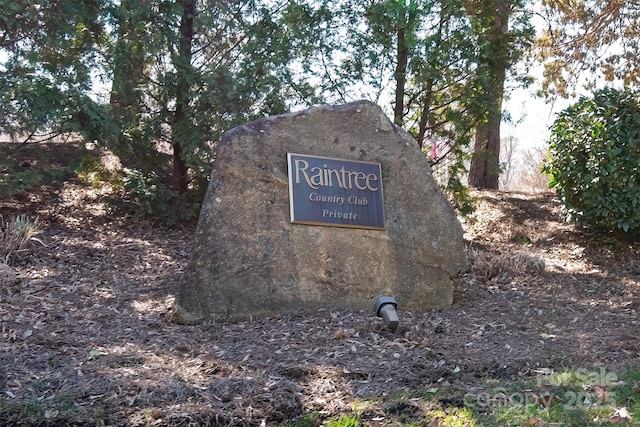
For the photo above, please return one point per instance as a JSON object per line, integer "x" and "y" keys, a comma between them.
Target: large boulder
{"x": 250, "y": 261}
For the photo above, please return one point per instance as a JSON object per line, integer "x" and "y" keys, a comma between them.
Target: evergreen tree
{"x": 438, "y": 67}
{"x": 49, "y": 49}
{"x": 183, "y": 71}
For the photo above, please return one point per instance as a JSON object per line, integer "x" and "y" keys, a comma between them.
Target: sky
{"x": 531, "y": 117}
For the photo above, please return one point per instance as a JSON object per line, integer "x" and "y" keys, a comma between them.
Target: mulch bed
{"x": 84, "y": 335}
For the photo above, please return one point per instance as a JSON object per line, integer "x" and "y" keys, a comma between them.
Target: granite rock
{"x": 249, "y": 261}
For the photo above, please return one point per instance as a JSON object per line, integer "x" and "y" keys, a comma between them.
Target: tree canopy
{"x": 589, "y": 42}
{"x": 178, "y": 73}
{"x": 50, "y": 50}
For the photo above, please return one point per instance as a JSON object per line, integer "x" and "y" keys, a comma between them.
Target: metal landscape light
{"x": 385, "y": 307}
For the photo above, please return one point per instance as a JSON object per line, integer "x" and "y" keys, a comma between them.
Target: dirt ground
{"x": 84, "y": 336}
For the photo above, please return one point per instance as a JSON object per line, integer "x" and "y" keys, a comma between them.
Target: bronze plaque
{"x": 335, "y": 192}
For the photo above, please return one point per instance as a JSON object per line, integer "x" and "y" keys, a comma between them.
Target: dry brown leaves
{"x": 83, "y": 328}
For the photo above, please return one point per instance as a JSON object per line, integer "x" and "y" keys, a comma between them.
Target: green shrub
{"x": 152, "y": 196}
{"x": 28, "y": 167}
{"x": 449, "y": 176}
{"x": 92, "y": 171}
{"x": 594, "y": 162}
{"x": 15, "y": 179}
{"x": 153, "y": 199}
{"x": 21, "y": 181}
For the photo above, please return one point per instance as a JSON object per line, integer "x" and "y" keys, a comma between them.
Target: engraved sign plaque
{"x": 335, "y": 192}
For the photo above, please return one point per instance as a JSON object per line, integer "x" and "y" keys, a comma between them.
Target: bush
{"x": 92, "y": 171}
{"x": 156, "y": 200}
{"x": 594, "y": 162}
{"x": 29, "y": 167}
{"x": 153, "y": 197}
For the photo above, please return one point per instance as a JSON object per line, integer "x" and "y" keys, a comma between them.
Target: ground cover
{"x": 542, "y": 331}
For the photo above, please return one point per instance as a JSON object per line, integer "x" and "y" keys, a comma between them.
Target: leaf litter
{"x": 85, "y": 336}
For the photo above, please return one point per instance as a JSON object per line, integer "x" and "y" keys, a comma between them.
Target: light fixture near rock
{"x": 385, "y": 307}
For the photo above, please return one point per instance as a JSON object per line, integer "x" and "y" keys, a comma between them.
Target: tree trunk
{"x": 180, "y": 170}
{"x": 485, "y": 163}
{"x": 424, "y": 116}
{"x": 485, "y": 166}
{"x": 181, "y": 118}
{"x": 400, "y": 76}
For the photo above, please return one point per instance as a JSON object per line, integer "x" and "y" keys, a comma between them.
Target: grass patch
{"x": 61, "y": 410}
{"x": 580, "y": 397}
{"x": 313, "y": 419}
{"x": 572, "y": 397}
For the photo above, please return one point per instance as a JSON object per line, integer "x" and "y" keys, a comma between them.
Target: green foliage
{"x": 92, "y": 171}
{"x": 572, "y": 397}
{"x": 173, "y": 79}
{"x": 313, "y": 419}
{"x": 61, "y": 410}
{"x": 24, "y": 168}
{"x": 459, "y": 195}
{"x": 50, "y": 49}
{"x": 20, "y": 181}
{"x": 153, "y": 199}
{"x": 174, "y": 88}
{"x": 580, "y": 397}
{"x": 308, "y": 420}
{"x": 629, "y": 392}
{"x": 344, "y": 421}
{"x": 594, "y": 162}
